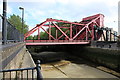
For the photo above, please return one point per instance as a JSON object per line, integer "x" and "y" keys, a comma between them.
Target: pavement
{"x": 67, "y": 69}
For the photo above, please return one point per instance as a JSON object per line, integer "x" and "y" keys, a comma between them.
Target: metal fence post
{"x": 38, "y": 67}
{"x": 4, "y": 27}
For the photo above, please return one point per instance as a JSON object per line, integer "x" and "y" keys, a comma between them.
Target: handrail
{"x": 21, "y": 69}
{"x": 38, "y": 67}
{"x": 56, "y": 40}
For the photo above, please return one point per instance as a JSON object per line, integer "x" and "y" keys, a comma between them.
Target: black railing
{"x": 13, "y": 35}
{"x": 23, "y": 73}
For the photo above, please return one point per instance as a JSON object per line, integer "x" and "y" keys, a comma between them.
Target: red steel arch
{"x": 77, "y": 32}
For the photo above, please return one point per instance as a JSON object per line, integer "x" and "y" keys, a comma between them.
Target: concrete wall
{"x": 105, "y": 57}
{"x": 0, "y": 35}
{"x": 13, "y": 56}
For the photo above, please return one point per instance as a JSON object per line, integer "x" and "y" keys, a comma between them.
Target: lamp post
{"x": 21, "y": 8}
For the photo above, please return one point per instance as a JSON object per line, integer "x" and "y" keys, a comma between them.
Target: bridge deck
{"x": 55, "y": 42}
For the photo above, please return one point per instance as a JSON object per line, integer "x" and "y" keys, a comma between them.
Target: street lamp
{"x": 22, "y": 17}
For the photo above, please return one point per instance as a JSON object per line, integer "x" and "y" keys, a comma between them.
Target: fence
{"x": 23, "y": 73}
{"x": 13, "y": 35}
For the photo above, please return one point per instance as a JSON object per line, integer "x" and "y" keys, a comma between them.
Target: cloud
{"x": 42, "y": 1}
{"x": 37, "y": 11}
{"x": 63, "y": 1}
{"x": 9, "y": 10}
{"x": 111, "y": 22}
{"x": 1, "y": 7}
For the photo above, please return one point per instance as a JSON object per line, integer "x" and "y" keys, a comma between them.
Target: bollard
{"x": 38, "y": 68}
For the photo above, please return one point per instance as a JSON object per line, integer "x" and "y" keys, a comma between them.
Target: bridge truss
{"x": 69, "y": 32}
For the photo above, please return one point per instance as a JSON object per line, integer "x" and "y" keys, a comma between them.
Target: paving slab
{"x": 67, "y": 69}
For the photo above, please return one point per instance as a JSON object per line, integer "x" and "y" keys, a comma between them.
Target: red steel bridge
{"x": 75, "y": 32}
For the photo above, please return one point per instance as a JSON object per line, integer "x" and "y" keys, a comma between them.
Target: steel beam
{"x": 48, "y": 33}
{"x": 38, "y": 33}
{"x": 54, "y": 26}
{"x": 33, "y": 30}
{"x": 56, "y": 33}
{"x": 79, "y": 32}
{"x": 86, "y": 34}
{"x": 71, "y": 31}
{"x": 61, "y": 31}
{"x": 55, "y": 20}
{"x": 63, "y": 34}
{"x": 49, "y": 30}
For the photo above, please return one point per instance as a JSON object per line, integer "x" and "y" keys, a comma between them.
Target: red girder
{"x": 61, "y": 31}
{"x": 48, "y": 33}
{"x": 54, "y": 26}
{"x": 62, "y": 35}
{"x": 33, "y": 30}
{"x": 55, "y": 20}
{"x": 83, "y": 30}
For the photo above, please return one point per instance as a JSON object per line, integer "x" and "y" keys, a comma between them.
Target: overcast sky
{"x": 36, "y": 11}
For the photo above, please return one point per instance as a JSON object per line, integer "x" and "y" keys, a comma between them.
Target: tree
{"x": 29, "y": 38}
{"x": 16, "y": 21}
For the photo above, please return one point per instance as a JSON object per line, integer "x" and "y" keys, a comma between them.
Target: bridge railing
{"x": 57, "y": 40}
{"x": 20, "y": 73}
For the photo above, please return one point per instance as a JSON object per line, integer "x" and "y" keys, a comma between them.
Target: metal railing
{"x": 57, "y": 40}
{"x": 7, "y": 74}
{"x": 13, "y": 35}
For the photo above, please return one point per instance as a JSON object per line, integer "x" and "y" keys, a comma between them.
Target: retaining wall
{"x": 14, "y": 56}
{"x": 106, "y": 57}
